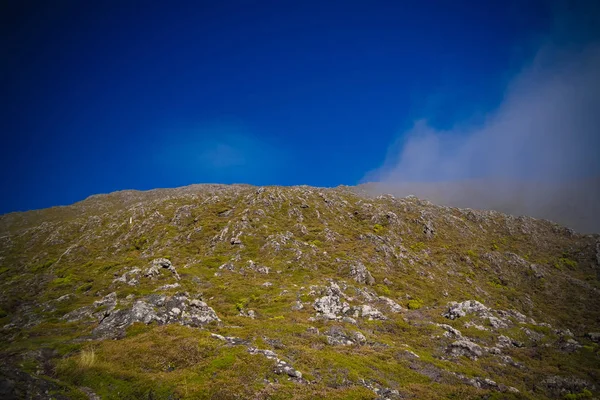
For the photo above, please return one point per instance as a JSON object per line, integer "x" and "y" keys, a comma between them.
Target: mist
{"x": 536, "y": 154}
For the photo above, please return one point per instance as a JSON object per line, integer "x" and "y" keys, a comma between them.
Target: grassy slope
{"x": 80, "y": 249}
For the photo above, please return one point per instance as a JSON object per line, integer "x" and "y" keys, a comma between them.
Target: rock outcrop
{"x": 159, "y": 309}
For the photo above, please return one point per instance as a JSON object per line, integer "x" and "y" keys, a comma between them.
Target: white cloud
{"x": 543, "y": 140}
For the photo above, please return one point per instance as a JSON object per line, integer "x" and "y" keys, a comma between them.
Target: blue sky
{"x": 105, "y": 96}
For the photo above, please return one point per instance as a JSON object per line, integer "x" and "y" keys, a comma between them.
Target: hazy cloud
{"x": 536, "y": 154}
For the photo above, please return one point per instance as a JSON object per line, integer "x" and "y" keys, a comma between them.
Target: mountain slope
{"x": 216, "y": 291}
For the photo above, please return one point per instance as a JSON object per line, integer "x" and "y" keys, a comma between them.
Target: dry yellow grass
{"x": 87, "y": 358}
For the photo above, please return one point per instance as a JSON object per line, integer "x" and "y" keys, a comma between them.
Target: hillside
{"x": 223, "y": 292}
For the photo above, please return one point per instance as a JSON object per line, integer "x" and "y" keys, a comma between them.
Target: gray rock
{"x": 271, "y": 355}
{"x": 391, "y": 304}
{"x": 505, "y": 342}
{"x": 227, "y": 266}
{"x": 250, "y": 314}
{"x": 497, "y": 323}
{"x": 129, "y": 277}
{"x": 157, "y": 265}
{"x": 258, "y": 268}
{"x": 466, "y": 348}
{"x": 532, "y": 335}
{"x": 313, "y": 330}
{"x": 366, "y": 311}
{"x": 160, "y": 309}
{"x": 594, "y": 336}
{"x": 336, "y": 336}
{"x": 561, "y": 385}
{"x": 457, "y": 310}
{"x": 450, "y": 331}
{"x": 331, "y": 306}
{"x": 230, "y": 340}
{"x": 107, "y": 303}
{"x": 361, "y": 274}
{"x": 284, "y": 368}
{"x": 169, "y": 286}
{"x": 114, "y": 325}
{"x": 428, "y": 229}
{"x": 199, "y": 314}
{"x": 569, "y": 345}
{"x": 78, "y": 314}
{"x": 358, "y": 338}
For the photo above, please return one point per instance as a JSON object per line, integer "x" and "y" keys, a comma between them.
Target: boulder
{"x": 457, "y": 310}
{"x": 466, "y": 348}
{"x": 361, "y": 274}
{"x": 160, "y": 309}
{"x": 331, "y": 306}
{"x": 366, "y": 311}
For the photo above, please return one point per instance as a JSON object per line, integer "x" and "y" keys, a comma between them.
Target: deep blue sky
{"x": 111, "y": 95}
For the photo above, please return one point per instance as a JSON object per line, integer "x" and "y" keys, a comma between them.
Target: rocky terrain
{"x": 240, "y": 292}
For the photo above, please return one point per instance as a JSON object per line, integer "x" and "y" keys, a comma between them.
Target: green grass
{"x": 178, "y": 362}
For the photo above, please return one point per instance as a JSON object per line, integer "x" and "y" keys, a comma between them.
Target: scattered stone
{"x": 505, "y": 341}
{"x": 486, "y": 383}
{"x": 559, "y": 386}
{"x": 313, "y": 330}
{"x": 157, "y": 265}
{"x": 383, "y": 393}
{"x": 366, "y": 311}
{"x": 457, "y": 310}
{"x": 159, "y": 309}
{"x": 250, "y": 314}
{"x": 284, "y": 368}
{"x": 227, "y": 266}
{"x": 569, "y": 345}
{"x": 276, "y": 343}
{"x": 466, "y": 348}
{"x": 391, "y": 304}
{"x": 428, "y": 229}
{"x": 235, "y": 240}
{"x": 257, "y": 268}
{"x": 336, "y": 336}
{"x": 167, "y": 287}
{"x": 230, "y": 340}
{"x": 508, "y": 360}
{"x": 470, "y": 324}
{"x": 331, "y": 306}
{"x": 361, "y": 274}
{"x": 129, "y": 277}
{"x": 594, "y": 336}
{"x": 450, "y": 331}
{"x": 497, "y": 323}
{"x": 108, "y": 304}
{"x": 64, "y": 297}
{"x": 532, "y": 335}
{"x": 358, "y": 338}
